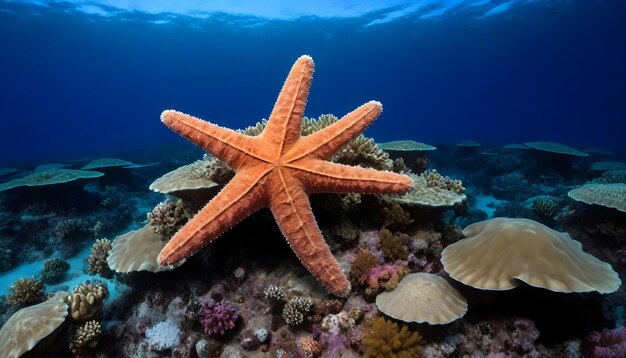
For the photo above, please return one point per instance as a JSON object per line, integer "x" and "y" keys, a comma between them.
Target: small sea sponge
{"x": 85, "y": 338}
{"x": 218, "y": 317}
{"x": 86, "y": 301}
{"x": 169, "y": 216}
{"x": 26, "y": 291}
{"x": 365, "y": 260}
{"x": 98, "y": 258}
{"x": 394, "y": 246}
{"x": 296, "y": 309}
{"x": 54, "y": 269}
{"x": 384, "y": 338}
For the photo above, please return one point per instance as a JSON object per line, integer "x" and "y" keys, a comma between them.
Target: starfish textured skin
{"x": 279, "y": 169}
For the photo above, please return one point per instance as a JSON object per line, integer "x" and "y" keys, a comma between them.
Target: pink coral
{"x": 607, "y": 343}
{"x": 386, "y": 276}
{"x": 218, "y": 317}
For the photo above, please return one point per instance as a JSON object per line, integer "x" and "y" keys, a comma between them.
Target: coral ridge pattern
{"x": 279, "y": 169}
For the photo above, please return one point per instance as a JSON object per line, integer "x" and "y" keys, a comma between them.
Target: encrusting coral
{"x": 279, "y": 169}
{"x": 26, "y": 291}
{"x": 86, "y": 301}
{"x": 384, "y": 339}
{"x": 54, "y": 269}
{"x": 98, "y": 258}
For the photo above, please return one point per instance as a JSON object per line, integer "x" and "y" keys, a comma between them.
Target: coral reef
{"x": 26, "y": 291}
{"x": 436, "y": 180}
{"x": 164, "y": 335}
{"x": 383, "y": 338}
{"x": 54, "y": 269}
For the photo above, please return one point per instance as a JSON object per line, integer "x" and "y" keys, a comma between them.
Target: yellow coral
{"x": 384, "y": 339}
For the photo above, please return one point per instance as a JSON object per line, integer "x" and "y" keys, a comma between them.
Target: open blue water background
{"x": 76, "y": 83}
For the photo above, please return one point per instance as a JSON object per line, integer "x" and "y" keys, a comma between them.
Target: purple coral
{"x": 607, "y": 343}
{"x": 218, "y": 317}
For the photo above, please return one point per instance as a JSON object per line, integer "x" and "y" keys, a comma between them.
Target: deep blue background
{"x": 73, "y": 85}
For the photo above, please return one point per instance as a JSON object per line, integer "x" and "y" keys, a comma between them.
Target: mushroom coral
{"x": 423, "y": 297}
{"x": 496, "y": 253}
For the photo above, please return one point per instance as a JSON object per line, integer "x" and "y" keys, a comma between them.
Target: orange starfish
{"x": 279, "y": 169}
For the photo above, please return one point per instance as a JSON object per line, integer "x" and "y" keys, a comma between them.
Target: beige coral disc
{"x": 498, "y": 252}
{"x": 30, "y": 325}
{"x": 423, "y": 298}
{"x": 608, "y": 195}
{"x": 138, "y": 250}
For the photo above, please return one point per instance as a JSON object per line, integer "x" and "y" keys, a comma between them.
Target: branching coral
{"x": 54, "y": 269}
{"x": 85, "y": 338}
{"x": 611, "y": 177}
{"x": 86, "y": 301}
{"x": 394, "y": 246}
{"x": 365, "y": 260}
{"x": 544, "y": 208}
{"x": 217, "y": 170}
{"x": 98, "y": 258}
{"x": 275, "y": 295}
{"x": 607, "y": 343}
{"x": 72, "y": 229}
{"x": 26, "y": 291}
{"x": 384, "y": 338}
{"x": 385, "y": 277}
{"x": 394, "y": 216}
{"x": 345, "y": 234}
{"x": 296, "y": 309}
{"x": 218, "y": 317}
{"x": 436, "y": 180}
{"x": 169, "y": 216}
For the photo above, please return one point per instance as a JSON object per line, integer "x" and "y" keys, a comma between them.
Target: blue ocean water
{"x": 79, "y": 78}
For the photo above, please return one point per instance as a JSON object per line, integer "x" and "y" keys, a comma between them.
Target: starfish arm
{"x": 237, "y": 200}
{"x": 321, "y": 176}
{"x": 283, "y": 127}
{"x": 326, "y": 142}
{"x": 292, "y": 211}
{"x": 226, "y": 144}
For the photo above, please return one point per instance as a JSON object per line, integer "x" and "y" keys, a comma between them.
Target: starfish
{"x": 279, "y": 169}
